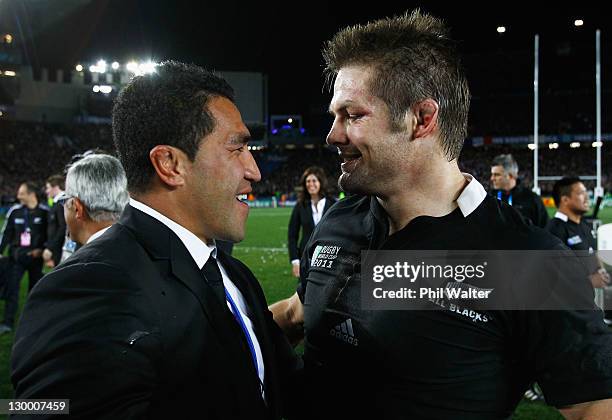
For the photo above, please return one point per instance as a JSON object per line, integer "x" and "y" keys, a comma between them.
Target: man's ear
{"x": 169, "y": 164}
{"x": 80, "y": 211}
{"x": 425, "y": 118}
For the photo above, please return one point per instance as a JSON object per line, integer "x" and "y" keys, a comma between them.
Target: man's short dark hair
{"x": 563, "y": 187}
{"x": 31, "y": 187}
{"x": 56, "y": 181}
{"x": 413, "y": 59}
{"x": 164, "y": 107}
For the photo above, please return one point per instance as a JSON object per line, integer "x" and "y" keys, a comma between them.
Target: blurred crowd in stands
{"x": 33, "y": 151}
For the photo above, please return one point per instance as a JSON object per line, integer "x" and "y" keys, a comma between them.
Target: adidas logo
{"x": 344, "y": 332}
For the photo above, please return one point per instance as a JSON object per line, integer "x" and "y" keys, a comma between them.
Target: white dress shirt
{"x": 200, "y": 251}
{"x": 97, "y": 234}
{"x": 317, "y": 210}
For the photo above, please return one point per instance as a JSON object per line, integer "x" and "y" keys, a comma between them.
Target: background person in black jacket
{"x": 56, "y": 226}
{"x": 507, "y": 188}
{"x": 24, "y": 232}
{"x": 312, "y": 203}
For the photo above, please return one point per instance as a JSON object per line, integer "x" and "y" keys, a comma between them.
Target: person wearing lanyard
{"x": 25, "y": 233}
{"x": 151, "y": 320}
{"x": 507, "y": 188}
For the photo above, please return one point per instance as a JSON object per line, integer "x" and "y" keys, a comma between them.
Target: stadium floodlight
{"x": 578, "y": 22}
{"x": 115, "y": 65}
{"x": 575, "y": 144}
{"x": 290, "y": 120}
{"x": 79, "y": 67}
{"x": 101, "y": 65}
{"x": 501, "y": 29}
{"x": 148, "y": 67}
{"x": 96, "y": 88}
{"x": 553, "y": 146}
{"x": 9, "y": 73}
{"x": 106, "y": 89}
{"x": 597, "y": 144}
{"x": 531, "y": 146}
{"x": 132, "y": 66}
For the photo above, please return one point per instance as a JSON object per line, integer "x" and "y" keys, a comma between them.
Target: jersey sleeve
{"x": 570, "y": 353}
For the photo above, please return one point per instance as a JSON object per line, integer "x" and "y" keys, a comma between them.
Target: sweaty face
{"x": 313, "y": 186}
{"x": 362, "y": 132}
{"x": 220, "y": 177}
{"x": 499, "y": 178}
{"x": 579, "y": 199}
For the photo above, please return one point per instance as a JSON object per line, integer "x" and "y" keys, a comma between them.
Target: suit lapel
{"x": 309, "y": 216}
{"x": 228, "y": 331}
{"x": 328, "y": 203}
{"x": 162, "y": 244}
{"x": 256, "y": 312}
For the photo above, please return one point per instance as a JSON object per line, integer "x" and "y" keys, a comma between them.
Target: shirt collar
{"x": 58, "y": 196}
{"x": 562, "y": 216}
{"x": 97, "y": 234}
{"x": 199, "y": 250}
{"x": 320, "y": 204}
{"x": 472, "y": 195}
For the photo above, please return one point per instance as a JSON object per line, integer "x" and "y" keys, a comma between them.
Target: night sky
{"x": 282, "y": 40}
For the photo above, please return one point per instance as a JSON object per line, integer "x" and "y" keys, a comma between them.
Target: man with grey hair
{"x": 507, "y": 187}
{"x": 96, "y": 193}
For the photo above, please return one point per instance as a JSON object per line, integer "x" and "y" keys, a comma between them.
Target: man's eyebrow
{"x": 242, "y": 138}
{"x": 342, "y": 105}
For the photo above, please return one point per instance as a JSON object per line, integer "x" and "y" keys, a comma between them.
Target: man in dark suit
{"x": 151, "y": 320}
{"x": 56, "y": 226}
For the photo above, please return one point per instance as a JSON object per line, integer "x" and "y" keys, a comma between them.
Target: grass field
{"x": 264, "y": 251}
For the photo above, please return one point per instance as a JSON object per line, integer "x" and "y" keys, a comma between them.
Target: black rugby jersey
{"x": 453, "y": 363}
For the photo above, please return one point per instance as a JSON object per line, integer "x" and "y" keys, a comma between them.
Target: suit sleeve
{"x": 293, "y": 233}
{"x": 569, "y": 353}
{"x": 86, "y": 334}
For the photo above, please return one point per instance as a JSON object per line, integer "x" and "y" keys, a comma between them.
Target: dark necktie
{"x": 213, "y": 277}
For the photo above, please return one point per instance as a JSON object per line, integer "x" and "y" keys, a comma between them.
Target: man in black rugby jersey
{"x": 572, "y": 201}
{"x": 400, "y": 106}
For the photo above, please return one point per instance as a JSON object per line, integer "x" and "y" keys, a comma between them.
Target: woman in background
{"x": 312, "y": 203}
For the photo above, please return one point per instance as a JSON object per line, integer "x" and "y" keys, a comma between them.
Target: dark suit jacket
{"x": 56, "y": 231}
{"x": 527, "y": 203}
{"x": 129, "y": 328}
{"x": 301, "y": 217}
